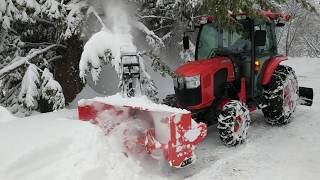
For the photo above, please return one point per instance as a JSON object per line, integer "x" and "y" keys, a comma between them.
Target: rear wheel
{"x": 281, "y": 96}
{"x": 233, "y": 123}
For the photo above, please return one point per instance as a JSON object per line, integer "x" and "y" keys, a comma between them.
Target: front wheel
{"x": 281, "y": 96}
{"x": 233, "y": 123}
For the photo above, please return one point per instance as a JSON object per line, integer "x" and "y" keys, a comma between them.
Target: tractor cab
{"x": 237, "y": 71}
{"x": 213, "y": 40}
{"x": 247, "y": 38}
{"x": 246, "y": 48}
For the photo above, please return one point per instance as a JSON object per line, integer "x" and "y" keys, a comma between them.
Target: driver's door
{"x": 269, "y": 50}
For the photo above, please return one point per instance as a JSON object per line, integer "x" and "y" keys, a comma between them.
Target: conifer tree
{"x": 32, "y": 39}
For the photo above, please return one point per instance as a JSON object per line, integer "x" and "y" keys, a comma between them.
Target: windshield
{"x": 212, "y": 41}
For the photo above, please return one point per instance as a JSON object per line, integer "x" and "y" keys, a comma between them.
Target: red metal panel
{"x": 273, "y": 15}
{"x": 207, "y": 68}
{"x": 90, "y": 112}
{"x": 242, "y": 94}
{"x": 87, "y": 113}
{"x": 177, "y": 149}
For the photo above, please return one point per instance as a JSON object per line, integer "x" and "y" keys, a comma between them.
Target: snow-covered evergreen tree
{"x": 51, "y": 90}
{"x": 29, "y": 93}
{"x": 33, "y": 34}
{"x": 97, "y": 52}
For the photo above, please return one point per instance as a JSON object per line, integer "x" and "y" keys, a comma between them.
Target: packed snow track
{"x": 56, "y": 146}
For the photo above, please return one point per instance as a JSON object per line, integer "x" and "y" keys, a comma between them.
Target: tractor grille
{"x": 188, "y": 97}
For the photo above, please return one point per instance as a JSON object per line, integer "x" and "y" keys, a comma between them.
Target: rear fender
{"x": 270, "y": 67}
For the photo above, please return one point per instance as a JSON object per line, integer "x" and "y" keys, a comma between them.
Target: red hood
{"x": 201, "y": 66}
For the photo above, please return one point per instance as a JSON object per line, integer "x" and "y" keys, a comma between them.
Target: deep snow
{"x": 141, "y": 102}
{"x": 57, "y": 146}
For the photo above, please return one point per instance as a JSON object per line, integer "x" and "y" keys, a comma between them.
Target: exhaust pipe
{"x": 305, "y": 96}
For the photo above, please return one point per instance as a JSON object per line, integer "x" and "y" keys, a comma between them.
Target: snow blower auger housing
{"x": 235, "y": 72}
{"x": 161, "y": 131}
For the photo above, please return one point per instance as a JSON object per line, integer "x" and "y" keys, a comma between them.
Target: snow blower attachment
{"x": 159, "y": 130}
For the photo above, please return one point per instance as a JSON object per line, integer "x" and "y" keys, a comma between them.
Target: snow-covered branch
{"x": 33, "y": 44}
{"x": 30, "y": 36}
{"x": 10, "y": 94}
{"x": 29, "y": 89}
{"x": 97, "y": 51}
{"x": 54, "y": 59}
{"x": 153, "y": 40}
{"x": 155, "y": 17}
{"x": 44, "y": 20}
{"x": 51, "y": 90}
{"x": 19, "y": 61}
{"x": 167, "y": 36}
{"x": 160, "y": 66}
{"x": 75, "y": 17}
{"x": 92, "y": 10}
{"x": 163, "y": 27}
{"x": 313, "y": 47}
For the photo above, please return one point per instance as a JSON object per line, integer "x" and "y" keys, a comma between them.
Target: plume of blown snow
{"x": 114, "y": 35}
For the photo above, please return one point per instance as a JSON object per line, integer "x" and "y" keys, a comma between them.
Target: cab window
{"x": 269, "y": 46}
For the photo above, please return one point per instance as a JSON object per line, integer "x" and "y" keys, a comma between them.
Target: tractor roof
{"x": 268, "y": 14}
{"x": 274, "y": 16}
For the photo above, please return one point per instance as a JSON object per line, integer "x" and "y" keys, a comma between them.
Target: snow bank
{"x": 5, "y": 115}
{"x": 141, "y": 102}
{"x": 305, "y": 68}
{"x": 55, "y": 146}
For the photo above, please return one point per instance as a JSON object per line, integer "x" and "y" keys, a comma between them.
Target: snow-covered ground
{"x": 57, "y": 146}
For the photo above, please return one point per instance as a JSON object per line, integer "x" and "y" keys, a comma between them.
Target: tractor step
{"x": 305, "y": 96}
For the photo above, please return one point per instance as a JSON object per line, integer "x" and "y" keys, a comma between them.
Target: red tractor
{"x": 236, "y": 72}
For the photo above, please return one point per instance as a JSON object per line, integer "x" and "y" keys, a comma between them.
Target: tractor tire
{"x": 281, "y": 96}
{"x": 233, "y": 123}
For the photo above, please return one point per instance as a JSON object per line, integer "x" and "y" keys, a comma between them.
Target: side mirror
{"x": 281, "y": 21}
{"x": 280, "y": 24}
{"x": 186, "y": 44}
{"x": 260, "y": 38}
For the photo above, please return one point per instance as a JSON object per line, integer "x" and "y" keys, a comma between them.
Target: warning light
{"x": 257, "y": 65}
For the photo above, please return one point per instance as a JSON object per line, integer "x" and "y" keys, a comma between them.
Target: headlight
{"x": 192, "y": 82}
{"x": 187, "y": 82}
